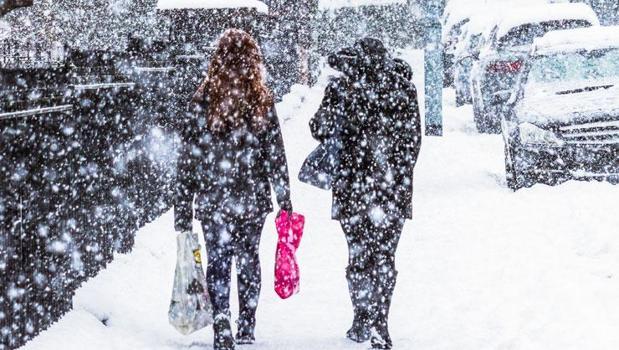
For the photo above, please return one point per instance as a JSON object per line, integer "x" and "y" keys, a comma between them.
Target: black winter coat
{"x": 230, "y": 174}
{"x": 374, "y": 105}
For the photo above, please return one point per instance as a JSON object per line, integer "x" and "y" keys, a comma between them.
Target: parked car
{"x": 450, "y": 41}
{"x": 502, "y": 56}
{"x": 562, "y": 119}
{"x": 471, "y": 41}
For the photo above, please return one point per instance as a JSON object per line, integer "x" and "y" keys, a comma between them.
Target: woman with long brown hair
{"x": 232, "y": 153}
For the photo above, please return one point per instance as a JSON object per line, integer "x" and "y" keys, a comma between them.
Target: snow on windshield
{"x": 577, "y": 39}
{"x": 575, "y": 66}
{"x": 210, "y": 4}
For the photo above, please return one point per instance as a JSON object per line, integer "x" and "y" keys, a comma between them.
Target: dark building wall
{"x": 288, "y": 42}
{"x": 89, "y": 24}
{"x": 395, "y": 25}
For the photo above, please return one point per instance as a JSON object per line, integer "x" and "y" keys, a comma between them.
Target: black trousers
{"x": 371, "y": 271}
{"x": 230, "y": 237}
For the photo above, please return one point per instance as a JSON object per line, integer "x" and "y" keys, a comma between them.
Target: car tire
{"x": 485, "y": 121}
{"x": 511, "y": 176}
{"x": 516, "y": 178}
{"x": 479, "y": 122}
{"x": 477, "y": 116}
{"x": 493, "y": 120}
{"x": 460, "y": 98}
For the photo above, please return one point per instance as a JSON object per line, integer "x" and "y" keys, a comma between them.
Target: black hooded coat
{"x": 373, "y": 107}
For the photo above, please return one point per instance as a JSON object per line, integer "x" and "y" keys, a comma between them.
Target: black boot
{"x": 360, "y": 330}
{"x": 380, "y": 332}
{"x": 223, "y": 333}
{"x": 361, "y": 291}
{"x": 245, "y": 333}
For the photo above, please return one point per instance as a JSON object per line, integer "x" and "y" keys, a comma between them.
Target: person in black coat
{"x": 231, "y": 156}
{"x": 372, "y": 109}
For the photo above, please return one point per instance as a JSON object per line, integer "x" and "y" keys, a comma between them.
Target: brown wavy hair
{"x": 235, "y": 87}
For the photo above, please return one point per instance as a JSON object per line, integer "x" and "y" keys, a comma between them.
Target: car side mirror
{"x": 505, "y": 102}
{"x": 473, "y": 56}
{"x": 501, "y": 97}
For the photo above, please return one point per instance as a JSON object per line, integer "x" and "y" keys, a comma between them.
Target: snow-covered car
{"x": 502, "y": 56}
{"x": 449, "y": 51}
{"x": 562, "y": 119}
{"x": 471, "y": 41}
{"x": 453, "y": 24}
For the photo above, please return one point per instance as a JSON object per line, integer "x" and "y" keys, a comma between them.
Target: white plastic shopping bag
{"x": 190, "y": 308}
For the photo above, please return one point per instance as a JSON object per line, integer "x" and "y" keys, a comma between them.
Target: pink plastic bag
{"x": 290, "y": 231}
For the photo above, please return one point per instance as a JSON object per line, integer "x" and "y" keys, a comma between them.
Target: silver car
{"x": 562, "y": 119}
{"x": 502, "y": 57}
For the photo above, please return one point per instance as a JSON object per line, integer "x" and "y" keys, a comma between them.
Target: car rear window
{"x": 525, "y": 34}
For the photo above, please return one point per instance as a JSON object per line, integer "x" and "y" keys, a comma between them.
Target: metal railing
{"x": 77, "y": 181}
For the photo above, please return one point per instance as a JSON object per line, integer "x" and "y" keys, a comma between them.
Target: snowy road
{"x": 480, "y": 267}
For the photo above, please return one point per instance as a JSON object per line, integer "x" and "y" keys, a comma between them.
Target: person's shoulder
{"x": 337, "y": 85}
{"x": 412, "y": 88}
{"x": 406, "y": 84}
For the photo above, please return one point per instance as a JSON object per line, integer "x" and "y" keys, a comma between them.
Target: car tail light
{"x": 505, "y": 66}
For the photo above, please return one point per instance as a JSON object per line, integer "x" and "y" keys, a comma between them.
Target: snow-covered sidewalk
{"x": 480, "y": 267}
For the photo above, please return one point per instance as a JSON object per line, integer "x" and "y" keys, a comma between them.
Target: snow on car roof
{"x": 212, "y": 4}
{"x": 545, "y": 13}
{"x": 458, "y": 10}
{"x": 480, "y": 23}
{"x": 570, "y": 40}
{"x": 335, "y": 4}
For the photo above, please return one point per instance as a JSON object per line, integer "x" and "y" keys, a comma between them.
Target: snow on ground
{"x": 480, "y": 267}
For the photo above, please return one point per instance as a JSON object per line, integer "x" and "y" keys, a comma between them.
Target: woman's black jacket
{"x": 230, "y": 173}
{"x": 373, "y": 107}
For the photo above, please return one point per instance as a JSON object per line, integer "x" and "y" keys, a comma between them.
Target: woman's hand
{"x": 287, "y": 206}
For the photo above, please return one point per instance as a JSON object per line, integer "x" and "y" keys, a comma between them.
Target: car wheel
{"x": 511, "y": 175}
{"x": 515, "y": 176}
{"x": 478, "y": 117}
{"x": 460, "y": 98}
{"x": 480, "y": 124}
{"x": 448, "y": 79}
{"x": 484, "y": 123}
{"x": 493, "y": 120}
